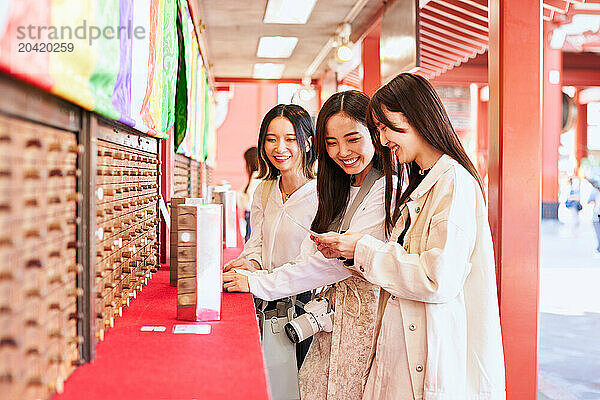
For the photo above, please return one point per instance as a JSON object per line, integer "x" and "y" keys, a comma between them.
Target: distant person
{"x": 595, "y": 199}
{"x": 245, "y": 196}
{"x": 573, "y": 202}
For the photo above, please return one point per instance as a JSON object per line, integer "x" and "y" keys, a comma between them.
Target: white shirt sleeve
{"x": 312, "y": 270}
{"x": 253, "y": 247}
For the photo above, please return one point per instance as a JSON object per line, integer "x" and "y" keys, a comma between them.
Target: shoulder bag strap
{"x": 266, "y": 191}
{"x": 370, "y": 179}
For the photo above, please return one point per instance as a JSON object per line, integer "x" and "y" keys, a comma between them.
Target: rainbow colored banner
{"x": 195, "y": 104}
{"x": 114, "y": 57}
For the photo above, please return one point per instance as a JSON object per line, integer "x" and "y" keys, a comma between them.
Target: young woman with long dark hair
{"x": 437, "y": 334}
{"x": 350, "y": 187}
{"x": 286, "y": 164}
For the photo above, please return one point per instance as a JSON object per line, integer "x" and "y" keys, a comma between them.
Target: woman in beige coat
{"x": 437, "y": 335}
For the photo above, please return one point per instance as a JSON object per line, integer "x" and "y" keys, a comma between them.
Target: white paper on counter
{"x": 153, "y": 329}
{"x": 196, "y": 329}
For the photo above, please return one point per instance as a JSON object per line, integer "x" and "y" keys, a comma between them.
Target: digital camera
{"x": 316, "y": 319}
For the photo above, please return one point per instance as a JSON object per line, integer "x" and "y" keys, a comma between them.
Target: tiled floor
{"x": 569, "y": 357}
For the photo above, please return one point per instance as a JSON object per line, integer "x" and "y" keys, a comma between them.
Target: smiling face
{"x": 281, "y": 146}
{"x": 406, "y": 143}
{"x": 349, "y": 144}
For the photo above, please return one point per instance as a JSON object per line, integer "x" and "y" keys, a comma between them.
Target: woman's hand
{"x": 234, "y": 282}
{"x": 241, "y": 263}
{"x": 335, "y": 245}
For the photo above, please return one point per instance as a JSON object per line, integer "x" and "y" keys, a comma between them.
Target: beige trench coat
{"x": 336, "y": 361}
{"x": 443, "y": 279}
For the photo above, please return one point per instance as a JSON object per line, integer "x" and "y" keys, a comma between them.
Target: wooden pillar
{"x": 482, "y": 131}
{"x": 515, "y": 32}
{"x": 371, "y": 61}
{"x": 581, "y": 134}
{"x": 552, "y": 123}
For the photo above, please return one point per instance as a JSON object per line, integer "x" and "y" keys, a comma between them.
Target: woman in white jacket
{"x": 348, "y": 164}
{"x": 437, "y": 335}
{"x": 286, "y": 164}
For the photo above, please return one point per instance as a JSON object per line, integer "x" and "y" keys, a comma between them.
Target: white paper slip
{"x": 153, "y": 329}
{"x": 301, "y": 226}
{"x": 196, "y": 329}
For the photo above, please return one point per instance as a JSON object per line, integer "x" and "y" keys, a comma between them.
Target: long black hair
{"x": 304, "y": 130}
{"x": 251, "y": 158}
{"x": 414, "y": 97}
{"x": 333, "y": 184}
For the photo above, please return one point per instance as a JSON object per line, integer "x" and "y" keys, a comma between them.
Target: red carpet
{"x": 227, "y": 364}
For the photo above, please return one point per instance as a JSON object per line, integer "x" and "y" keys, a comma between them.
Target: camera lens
{"x": 291, "y": 333}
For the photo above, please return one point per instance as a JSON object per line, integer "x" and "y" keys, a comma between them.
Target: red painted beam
{"x": 453, "y": 15}
{"x": 515, "y": 160}
{"x": 430, "y": 16}
{"x": 426, "y": 39}
{"x": 371, "y": 61}
{"x": 581, "y": 77}
{"x": 465, "y": 8}
{"x": 559, "y": 6}
{"x": 454, "y": 30}
{"x": 450, "y": 41}
{"x": 552, "y": 118}
{"x": 427, "y": 51}
{"x": 481, "y": 4}
{"x": 436, "y": 46}
{"x": 581, "y": 134}
{"x": 222, "y": 79}
{"x": 482, "y": 134}
{"x": 464, "y": 75}
{"x": 433, "y": 67}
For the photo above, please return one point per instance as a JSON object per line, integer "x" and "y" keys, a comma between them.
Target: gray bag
{"x": 279, "y": 352}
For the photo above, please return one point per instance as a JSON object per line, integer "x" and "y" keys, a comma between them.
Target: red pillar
{"x": 581, "y": 134}
{"x": 166, "y": 190}
{"x": 552, "y": 124}
{"x": 371, "y": 62}
{"x": 515, "y": 32}
{"x": 482, "y": 133}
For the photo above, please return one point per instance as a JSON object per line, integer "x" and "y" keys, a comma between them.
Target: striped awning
{"x": 454, "y": 31}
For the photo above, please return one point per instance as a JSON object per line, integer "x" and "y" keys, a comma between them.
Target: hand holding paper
{"x": 336, "y": 245}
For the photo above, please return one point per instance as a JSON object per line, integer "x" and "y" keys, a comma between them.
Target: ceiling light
{"x": 306, "y": 94}
{"x": 344, "y": 53}
{"x": 268, "y": 71}
{"x": 276, "y": 46}
{"x": 288, "y": 11}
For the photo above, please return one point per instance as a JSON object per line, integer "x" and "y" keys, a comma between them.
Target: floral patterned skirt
{"x": 336, "y": 361}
